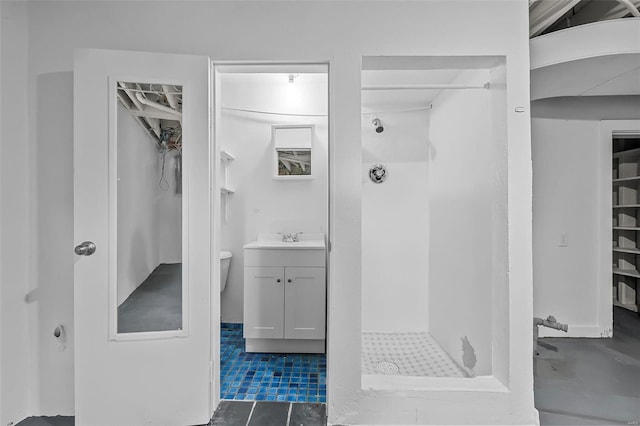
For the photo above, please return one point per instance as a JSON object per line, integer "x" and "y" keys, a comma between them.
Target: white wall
{"x": 169, "y": 210}
{"x": 1, "y": 136}
{"x": 395, "y": 224}
{"x": 16, "y": 176}
{"x": 54, "y": 242}
{"x": 565, "y": 176}
{"x": 463, "y": 196}
{"x": 261, "y": 203}
{"x": 341, "y": 32}
{"x": 572, "y": 166}
{"x": 148, "y": 215}
{"x": 138, "y": 162}
{"x": 572, "y": 198}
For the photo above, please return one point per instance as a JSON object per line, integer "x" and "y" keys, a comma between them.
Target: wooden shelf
{"x": 626, "y": 206}
{"x": 226, "y": 155}
{"x": 627, "y": 228}
{"x": 630, "y": 153}
{"x": 628, "y": 179}
{"x": 626, "y": 250}
{"x": 627, "y": 272}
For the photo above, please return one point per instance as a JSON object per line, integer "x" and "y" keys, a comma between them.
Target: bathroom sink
{"x": 283, "y": 245}
{"x": 274, "y": 241}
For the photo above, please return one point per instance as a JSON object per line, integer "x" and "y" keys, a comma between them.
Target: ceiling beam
{"x": 173, "y": 102}
{"x": 587, "y": 12}
{"x": 152, "y": 113}
{"x": 544, "y": 13}
{"x": 623, "y": 9}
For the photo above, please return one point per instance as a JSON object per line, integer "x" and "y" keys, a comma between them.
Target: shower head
{"x": 378, "y": 125}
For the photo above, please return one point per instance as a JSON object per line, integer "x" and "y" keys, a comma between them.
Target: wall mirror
{"x": 146, "y": 161}
{"x": 293, "y": 151}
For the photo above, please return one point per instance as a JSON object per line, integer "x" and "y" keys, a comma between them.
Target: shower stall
{"x": 434, "y": 219}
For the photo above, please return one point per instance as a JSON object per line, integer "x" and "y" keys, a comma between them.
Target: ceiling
{"x": 546, "y": 16}
{"x": 591, "y": 73}
{"x": 401, "y": 99}
{"x": 160, "y": 110}
{"x": 157, "y": 108}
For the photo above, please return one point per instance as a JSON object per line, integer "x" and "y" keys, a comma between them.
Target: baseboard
{"x": 592, "y": 331}
{"x": 285, "y": 346}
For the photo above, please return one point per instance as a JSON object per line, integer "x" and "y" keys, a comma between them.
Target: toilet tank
{"x": 225, "y": 261}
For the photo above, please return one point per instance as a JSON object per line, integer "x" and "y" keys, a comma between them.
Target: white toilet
{"x": 225, "y": 260}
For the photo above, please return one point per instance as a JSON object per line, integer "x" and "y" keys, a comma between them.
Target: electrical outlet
{"x": 563, "y": 240}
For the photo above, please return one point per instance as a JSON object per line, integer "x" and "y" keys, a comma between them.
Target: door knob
{"x": 278, "y": 280}
{"x": 85, "y": 249}
{"x": 289, "y": 280}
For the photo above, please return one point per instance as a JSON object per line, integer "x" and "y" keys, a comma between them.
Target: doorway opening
{"x": 569, "y": 369}
{"x": 417, "y": 164}
{"x": 272, "y": 143}
{"x": 626, "y": 220}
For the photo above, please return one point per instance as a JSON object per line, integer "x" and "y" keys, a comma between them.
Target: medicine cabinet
{"x": 292, "y": 151}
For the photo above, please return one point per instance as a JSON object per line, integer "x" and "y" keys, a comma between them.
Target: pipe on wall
{"x": 549, "y": 322}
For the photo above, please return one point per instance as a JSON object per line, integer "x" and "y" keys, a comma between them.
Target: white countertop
{"x": 274, "y": 241}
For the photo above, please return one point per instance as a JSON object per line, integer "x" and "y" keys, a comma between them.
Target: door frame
{"x": 608, "y": 129}
{"x": 215, "y": 210}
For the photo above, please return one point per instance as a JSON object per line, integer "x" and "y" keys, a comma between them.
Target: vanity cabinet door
{"x": 304, "y": 302}
{"x": 263, "y": 302}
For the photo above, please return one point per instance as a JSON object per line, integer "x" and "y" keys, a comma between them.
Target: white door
{"x": 304, "y": 305}
{"x": 263, "y": 302}
{"x": 131, "y": 369}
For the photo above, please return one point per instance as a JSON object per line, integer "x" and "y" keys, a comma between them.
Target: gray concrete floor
{"x": 156, "y": 305}
{"x": 234, "y": 413}
{"x": 242, "y": 413}
{"x": 577, "y": 382}
{"x": 590, "y": 381}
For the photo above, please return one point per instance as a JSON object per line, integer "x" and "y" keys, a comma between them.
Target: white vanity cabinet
{"x": 284, "y": 298}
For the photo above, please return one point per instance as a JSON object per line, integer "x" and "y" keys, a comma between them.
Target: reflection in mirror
{"x": 294, "y": 162}
{"x": 149, "y": 207}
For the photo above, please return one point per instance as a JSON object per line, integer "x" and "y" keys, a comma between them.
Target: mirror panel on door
{"x": 149, "y": 288}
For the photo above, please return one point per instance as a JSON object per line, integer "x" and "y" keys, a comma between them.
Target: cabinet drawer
{"x": 284, "y": 257}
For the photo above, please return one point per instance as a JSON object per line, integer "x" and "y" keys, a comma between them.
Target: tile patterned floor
{"x": 268, "y": 377}
{"x": 244, "y": 413}
{"x": 415, "y": 354}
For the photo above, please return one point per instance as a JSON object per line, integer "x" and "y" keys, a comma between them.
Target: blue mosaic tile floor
{"x": 268, "y": 377}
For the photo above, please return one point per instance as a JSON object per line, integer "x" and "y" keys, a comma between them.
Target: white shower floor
{"x": 415, "y": 354}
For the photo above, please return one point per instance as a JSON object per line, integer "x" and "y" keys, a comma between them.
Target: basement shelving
{"x": 626, "y": 222}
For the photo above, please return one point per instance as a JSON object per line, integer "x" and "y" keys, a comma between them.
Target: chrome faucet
{"x": 290, "y": 238}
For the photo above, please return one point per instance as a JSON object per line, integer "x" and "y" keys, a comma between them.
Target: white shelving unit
{"x": 225, "y": 189}
{"x": 626, "y": 224}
